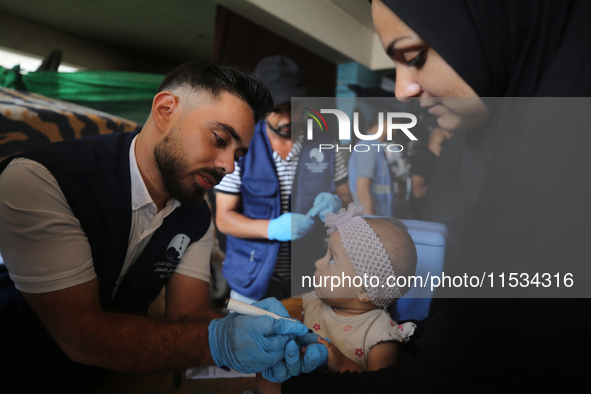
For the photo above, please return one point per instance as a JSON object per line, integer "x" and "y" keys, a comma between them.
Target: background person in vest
{"x": 254, "y": 206}
{"x": 92, "y": 229}
{"x": 369, "y": 173}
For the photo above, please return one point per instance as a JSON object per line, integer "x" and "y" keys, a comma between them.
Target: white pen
{"x": 251, "y": 310}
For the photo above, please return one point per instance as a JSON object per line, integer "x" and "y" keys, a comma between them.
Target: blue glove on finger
{"x": 277, "y": 373}
{"x": 250, "y": 344}
{"x": 292, "y": 358}
{"x": 289, "y": 227}
{"x": 316, "y": 356}
{"x": 325, "y": 203}
{"x": 308, "y": 339}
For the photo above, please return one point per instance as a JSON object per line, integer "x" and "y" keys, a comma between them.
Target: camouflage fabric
{"x": 28, "y": 120}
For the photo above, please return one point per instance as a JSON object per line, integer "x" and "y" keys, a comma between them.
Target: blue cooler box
{"x": 429, "y": 239}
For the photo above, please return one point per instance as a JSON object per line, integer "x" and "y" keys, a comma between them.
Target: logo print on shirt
{"x": 177, "y": 247}
{"x": 316, "y": 155}
{"x": 316, "y": 163}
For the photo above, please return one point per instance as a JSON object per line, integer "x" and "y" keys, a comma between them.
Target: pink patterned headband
{"x": 366, "y": 252}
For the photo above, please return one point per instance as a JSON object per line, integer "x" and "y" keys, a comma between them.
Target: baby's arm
{"x": 337, "y": 361}
{"x": 294, "y": 306}
{"x": 380, "y": 356}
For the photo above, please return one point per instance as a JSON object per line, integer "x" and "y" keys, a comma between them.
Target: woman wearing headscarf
{"x": 525, "y": 192}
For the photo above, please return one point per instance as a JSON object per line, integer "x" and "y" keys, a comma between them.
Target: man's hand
{"x": 325, "y": 203}
{"x": 289, "y": 227}
{"x": 314, "y": 357}
{"x": 252, "y": 344}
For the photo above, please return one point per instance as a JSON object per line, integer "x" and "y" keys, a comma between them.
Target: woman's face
{"x": 423, "y": 73}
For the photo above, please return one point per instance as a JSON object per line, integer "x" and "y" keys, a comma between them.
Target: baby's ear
{"x": 363, "y": 295}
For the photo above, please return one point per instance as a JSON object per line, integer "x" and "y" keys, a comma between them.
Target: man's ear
{"x": 363, "y": 295}
{"x": 163, "y": 106}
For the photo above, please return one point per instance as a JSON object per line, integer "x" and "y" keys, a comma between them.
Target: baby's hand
{"x": 336, "y": 359}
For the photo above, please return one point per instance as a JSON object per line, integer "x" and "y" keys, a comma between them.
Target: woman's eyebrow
{"x": 390, "y": 50}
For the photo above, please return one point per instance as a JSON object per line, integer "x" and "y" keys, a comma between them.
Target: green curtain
{"x": 125, "y": 94}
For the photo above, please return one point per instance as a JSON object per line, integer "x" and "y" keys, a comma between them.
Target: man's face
{"x": 280, "y": 120}
{"x": 201, "y": 146}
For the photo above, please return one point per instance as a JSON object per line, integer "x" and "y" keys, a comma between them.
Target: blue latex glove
{"x": 292, "y": 359}
{"x": 309, "y": 339}
{"x": 277, "y": 373}
{"x": 289, "y": 227}
{"x": 315, "y": 357}
{"x": 250, "y": 344}
{"x": 325, "y": 203}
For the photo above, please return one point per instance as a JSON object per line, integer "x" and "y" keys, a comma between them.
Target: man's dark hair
{"x": 216, "y": 78}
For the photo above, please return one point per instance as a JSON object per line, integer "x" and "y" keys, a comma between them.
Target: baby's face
{"x": 335, "y": 264}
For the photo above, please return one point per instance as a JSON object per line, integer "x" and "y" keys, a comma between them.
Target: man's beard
{"x": 282, "y": 130}
{"x": 177, "y": 180}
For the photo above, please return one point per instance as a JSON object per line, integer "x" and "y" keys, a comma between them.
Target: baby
{"x": 361, "y": 334}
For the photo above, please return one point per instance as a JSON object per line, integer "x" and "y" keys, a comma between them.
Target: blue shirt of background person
{"x": 369, "y": 176}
